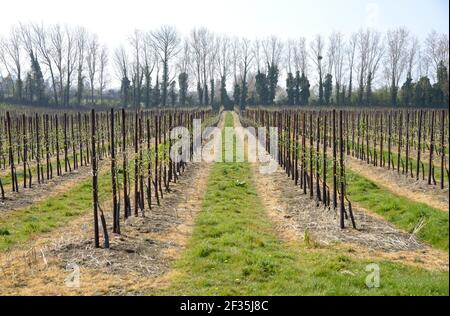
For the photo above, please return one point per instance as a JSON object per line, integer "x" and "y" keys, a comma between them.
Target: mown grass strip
{"x": 56, "y": 211}
{"x": 400, "y": 211}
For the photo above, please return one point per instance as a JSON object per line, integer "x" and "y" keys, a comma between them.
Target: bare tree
{"x": 423, "y": 64}
{"x": 437, "y": 50}
{"x": 223, "y": 57}
{"x": 413, "y": 53}
{"x": 206, "y": 41}
{"x": 102, "y": 62}
{"x": 336, "y": 54}
{"x": 273, "y": 48}
{"x": 257, "y": 52}
{"x": 223, "y": 64}
{"x": 149, "y": 60}
{"x": 396, "y": 58}
{"x": 11, "y": 57}
{"x": 244, "y": 65}
{"x": 121, "y": 63}
{"x": 37, "y": 89}
{"x": 166, "y": 41}
{"x": 197, "y": 61}
{"x": 235, "y": 57}
{"x": 301, "y": 56}
{"x": 363, "y": 44}
{"x": 92, "y": 63}
{"x": 374, "y": 56}
{"x": 5, "y": 61}
{"x": 289, "y": 58}
{"x": 41, "y": 41}
{"x": 71, "y": 59}
{"x": 81, "y": 43}
{"x": 351, "y": 52}
{"x": 317, "y": 47}
{"x": 212, "y": 67}
{"x": 57, "y": 53}
{"x": 184, "y": 62}
{"x": 136, "y": 41}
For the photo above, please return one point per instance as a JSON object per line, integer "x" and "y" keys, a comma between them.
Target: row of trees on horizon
{"x": 69, "y": 66}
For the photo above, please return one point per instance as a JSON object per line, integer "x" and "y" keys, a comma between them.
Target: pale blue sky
{"x": 250, "y": 18}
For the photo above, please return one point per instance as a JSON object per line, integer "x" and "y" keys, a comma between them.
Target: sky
{"x": 250, "y": 18}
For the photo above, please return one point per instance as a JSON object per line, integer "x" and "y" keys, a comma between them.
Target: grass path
{"x": 234, "y": 250}
{"x": 57, "y": 210}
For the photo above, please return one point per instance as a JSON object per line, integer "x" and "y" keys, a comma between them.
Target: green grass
{"x": 234, "y": 250}
{"x": 20, "y": 225}
{"x": 400, "y": 211}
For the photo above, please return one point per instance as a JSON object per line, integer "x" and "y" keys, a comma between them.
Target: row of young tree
{"x": 161, "y": 68}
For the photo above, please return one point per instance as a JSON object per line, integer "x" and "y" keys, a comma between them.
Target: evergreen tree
{"x": 213, "y": 93}
{"x": 290, "y": 89}
{"x": 173, "y": 93}
{"x": 148, "y": 87}
{"x": 321, "y": 92}
{"x": 343, "y": 92}
{"x": 261, "y": 88}
{"x": 272, "y": 77}
{"x": 244, "y": 94}
{"x": 124, "y": 91}
{"x": 200, "y": 93}
{"x": 442, "y": 82}
{"x": 183, "y": 85}
{"x": 38, "y": 86}
{"x": 437, "y": 96}
{"x": 369, "y": 89}
{"x": 297, "y": 88}
{"x": 328, "y": 87}
{"x": 206, "y": 94}
{"x": 423, "y": 92}
{"x": 407, "y": 90}
{"x": 304, "y": 92}
{"x": 237, "y": 94}
{"x": 223, "y": 92}
{"x": 156, "y": 98}
{"x": 394, "y": 91}
{"x": 29, "y": 91}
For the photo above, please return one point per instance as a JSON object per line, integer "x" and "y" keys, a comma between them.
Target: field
{"x": 114, "y": 203}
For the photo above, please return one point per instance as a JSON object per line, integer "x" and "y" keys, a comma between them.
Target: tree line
{"x": 68, "y": 66}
